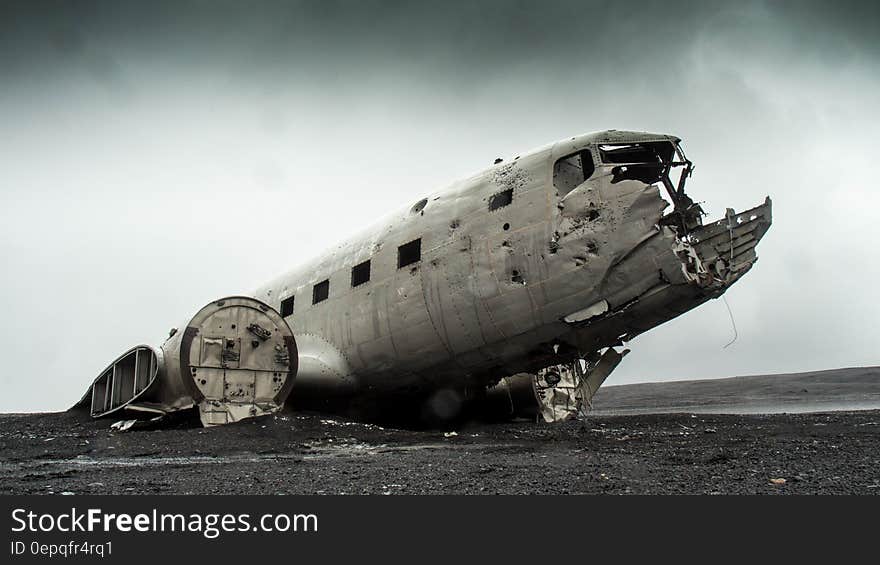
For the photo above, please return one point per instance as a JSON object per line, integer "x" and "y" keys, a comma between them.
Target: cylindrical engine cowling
{"x": 236, "y": 358}
{"x": 515, "y": 396}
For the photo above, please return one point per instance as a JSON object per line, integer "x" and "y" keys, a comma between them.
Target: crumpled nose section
{"x": 725, "y": 249}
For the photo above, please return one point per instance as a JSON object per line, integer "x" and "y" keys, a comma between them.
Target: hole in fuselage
{"x": 501, "y": 199}
{"x": 419, "y": 206}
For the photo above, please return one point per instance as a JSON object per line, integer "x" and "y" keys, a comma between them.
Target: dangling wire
{"x": 732, "y": 323}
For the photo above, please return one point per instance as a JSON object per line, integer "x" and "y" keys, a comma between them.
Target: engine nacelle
{"x": 236, "y": 358}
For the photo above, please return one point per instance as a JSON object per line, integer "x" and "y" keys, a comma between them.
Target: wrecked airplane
{"x": 511, "y": 292}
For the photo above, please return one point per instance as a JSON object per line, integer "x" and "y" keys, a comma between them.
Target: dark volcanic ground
{"x": 295, "y": 453}
{"x": 802, "y": 453}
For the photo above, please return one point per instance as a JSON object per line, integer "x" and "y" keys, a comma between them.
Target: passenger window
{"x": 360, "y": 273}
{"x": 287, "y": 307}
{"x": 569, "y": 172}
{"x": 409, "y": 253}
{"x": 321, "y": 292}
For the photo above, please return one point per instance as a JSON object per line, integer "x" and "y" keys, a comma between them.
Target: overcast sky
{"x": 155, "y": 156}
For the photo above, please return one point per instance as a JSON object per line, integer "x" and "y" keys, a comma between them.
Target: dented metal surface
{"x": 236, "y": 358}
{"x": 538, "y": 262}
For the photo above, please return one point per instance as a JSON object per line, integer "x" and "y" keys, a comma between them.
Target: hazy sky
{"x": 155, "y": 156}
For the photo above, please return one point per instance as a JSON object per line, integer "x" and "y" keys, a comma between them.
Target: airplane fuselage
{"x": 515, "y": 285}
{"x": 518, "y": 267}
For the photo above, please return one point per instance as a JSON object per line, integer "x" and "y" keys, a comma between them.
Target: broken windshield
{"x": 644, "y": 162}
{"x": 652, "y": 162}
{"x": 650, "y": 152}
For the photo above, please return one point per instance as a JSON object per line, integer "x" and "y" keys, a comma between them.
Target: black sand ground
{"x": 815, "y": 453}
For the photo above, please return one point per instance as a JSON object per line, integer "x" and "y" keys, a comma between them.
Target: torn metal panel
{"x": 557, "y": 387}
{"x": 123, "y": 425}
{"x": 557, "y": 393}
{"x": 727, "y": 246}
{"x": 591, "y": 311}
{"x": 594, "y": 376}
{"x": 569, "y": 394}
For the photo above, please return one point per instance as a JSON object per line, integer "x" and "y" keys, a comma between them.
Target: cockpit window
{"x": 569, "y": 172}
{"x": 637, "y": 152}
{"x": 644, "y": 162}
